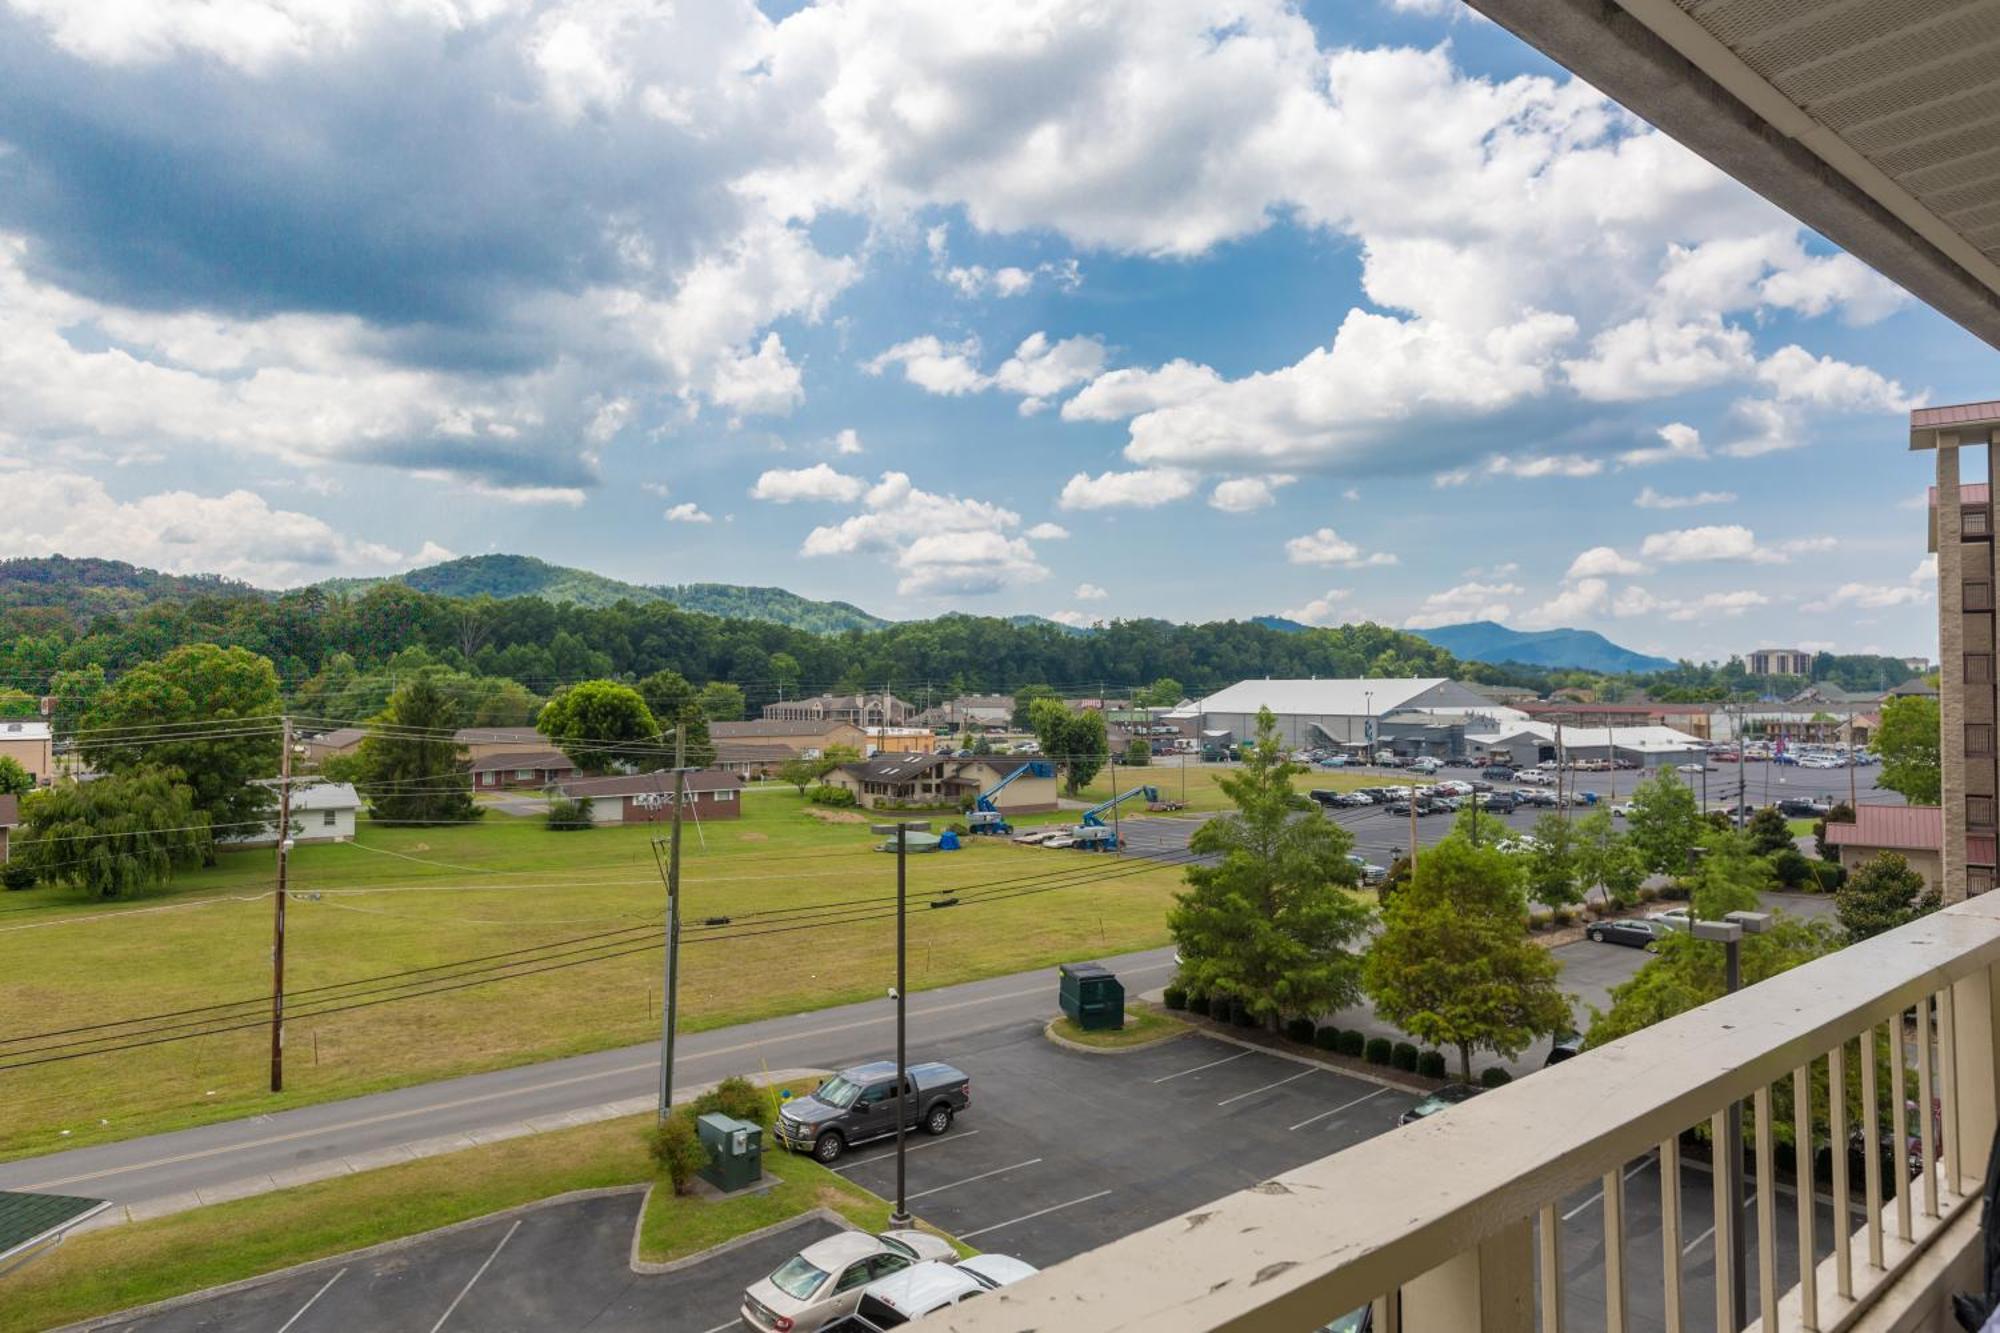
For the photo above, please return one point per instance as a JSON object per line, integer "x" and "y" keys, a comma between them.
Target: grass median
{"x": 810, "y": 906}
{"x": 1143, "y": 1026}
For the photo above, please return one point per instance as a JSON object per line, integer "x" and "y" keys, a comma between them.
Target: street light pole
{"x": 1729, "y": 933}
{"x": 669, "y": 982}
{"x": 902, "y": 828}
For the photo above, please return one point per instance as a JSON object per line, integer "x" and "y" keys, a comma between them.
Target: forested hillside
{"x": 736, "y": 602}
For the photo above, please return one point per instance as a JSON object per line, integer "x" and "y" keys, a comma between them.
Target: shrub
{"x": 736, "y": 1097}
{"x": 825, "y": 794}
{"x": 1404, "y": 1057}
{"x": 1299, "y": 1029}
{"x": 1431, "y": 1064}
{"x": 676, "y": 1149}
{"x": 1828, "y": 876}
{"x": 1562, "y": 916}
{"x": 1647, "y": 893}
{"x": 567, "y": 816}
{"x": 1494, "y": 1077}
{"x": 1378, "y": 1050}
{"x": 1175, "y": 998}
{"x": 960, "y": 829}
{"x": 1240, "y": 1015}
{"x": 1790, "y": 868}
{"x": 1328, "y": 1038}
{"x": 1353, "y": 1043}
{"x": 1198, "y": 1005}
{"x": 16, "y": 875}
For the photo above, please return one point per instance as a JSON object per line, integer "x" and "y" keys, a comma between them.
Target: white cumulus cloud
{"x": 818, "y": 482}
{"x": 1146, "y": 488}
{"x": 1327, "y": 547}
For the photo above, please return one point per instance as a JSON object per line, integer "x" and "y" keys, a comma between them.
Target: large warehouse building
{"x": 1346, "y": 713}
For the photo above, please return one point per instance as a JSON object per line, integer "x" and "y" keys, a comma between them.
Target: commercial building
{"x": 321, "y": 812}
{"x": 979, "y": 712}
{"x": 1344, "y": 713}
{"x": 807, "y": 737}
{"x": 863, "y": 710}
{"x": 939, "y": 780}
{"x": 648, "y": 798}
{"x": 1779, "y": 662}
{"x": 30, "y": 745}
{"x": 1692, "y": 719}
{"x": 1528, "y": 743}
{"x": 480, "y": 742}
{"x": 532, "y": 769}
{"x": 1913, "y": 832}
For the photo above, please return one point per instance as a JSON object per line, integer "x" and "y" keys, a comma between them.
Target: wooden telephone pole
{"x": 278, "y": 921}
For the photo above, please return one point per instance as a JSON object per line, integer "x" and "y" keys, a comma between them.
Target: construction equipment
{"x": 985, "y": 816}
{"x": 1093, "y": 835}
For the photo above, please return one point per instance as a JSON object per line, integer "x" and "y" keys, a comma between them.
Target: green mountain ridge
{"x": 1579, "y": 649}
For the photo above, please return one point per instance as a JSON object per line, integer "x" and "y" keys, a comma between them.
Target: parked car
{"x": 1497, "y": 773}
{"x": 1566, "y": 1046}
{"x": 1621, "y": 810}
{"x": 1352, "y": 799}
{"x": 1630, "y": 931}
{"x": 1370, "y": 872}
{"x": 1691, "y": 768}
{"x": 927, "y": 1287}
{"x": 1674, "y": 918}
{"x": 1536, "y": 796}
{"x": 1801, "y": 807}
{"x": 824, "y": 1281}
{"x": 1535, "y": 777}
{"x": 1455, "y": 787}
{"x": 858, "y": 1104}
{"x": 1497, "y": 802}
{"x": 1325, "y": 796}
{"x": 1450, "y": 1095}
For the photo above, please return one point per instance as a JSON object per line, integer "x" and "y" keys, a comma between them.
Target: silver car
{"x": 823, "y": 1281}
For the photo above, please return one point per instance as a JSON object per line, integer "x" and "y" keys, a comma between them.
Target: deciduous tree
{"x": 411, "y": 769}
{"x": 1074, "y": 739}
{"x": 114, "y": 835}
{"x": 1272, "y": 922}
{"x": 1665, "y": 823}
{"x": 1454, "y": 966}
{"x": 673, "y": 702}
{"x": 1907, "y": 740}
{"x": 14, "y": 779}
{"x": 1882, "y": 894}
{"x": 602, "y": 725}
{"x": 721, "y": 701}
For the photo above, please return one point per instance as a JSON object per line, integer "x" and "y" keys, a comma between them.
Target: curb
{"x": 1366, "y": 1073}
{"x": 1049, "y": 1031}
{"x": 338, "y": 1260}
{"x": 652, "y": 1269}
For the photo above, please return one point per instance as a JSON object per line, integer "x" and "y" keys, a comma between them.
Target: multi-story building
{"x": 29, "y": 744}
{"x": 863, "y": 710}
{"x": 1961, "y": 536}
{"x": 1780, "y": 662}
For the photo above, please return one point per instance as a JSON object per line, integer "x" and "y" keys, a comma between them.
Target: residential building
{"x": 802, "y": 736}
{"x": 1779, "y": 662}
{"x": 1920, "y": 665}
{"x": 521, "y": 768}
{"x": 977, "y": 712}
{"x": 904, "y": 740}
{"x": 939, "y": 780}
{"x": 1329, "y": 712}
{"x": 1914, "y": 832}
{"x": 751, "y": 759}
{"x": 342, "y": 740}
{"x": 30, "y": 745}
{"x": 648, "y": 798}
{"x": 863, "y": 710}
{"x": 321, "y": 812}
{"x": 479, "y": 742}
{"x": 10, "y": 819}
{"x": 1961, "y": 536}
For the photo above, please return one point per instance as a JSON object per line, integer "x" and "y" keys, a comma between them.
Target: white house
{"x": 321, "y": 812}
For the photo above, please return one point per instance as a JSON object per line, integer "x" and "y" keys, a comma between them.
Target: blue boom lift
{"x": 985, "y": 816}
{"x": 1093, "y": 834}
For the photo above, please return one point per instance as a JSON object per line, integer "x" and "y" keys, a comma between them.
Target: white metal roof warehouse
{"x": 1319, "y": 712}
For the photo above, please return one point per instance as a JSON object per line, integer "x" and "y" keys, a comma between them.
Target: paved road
{"x": 165, "y": 1170}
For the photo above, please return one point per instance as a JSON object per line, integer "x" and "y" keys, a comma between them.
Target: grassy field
{"x": 1142, "y": 1025}
{"x": 1196, "y": 784}
{"x": 402, "y": 898}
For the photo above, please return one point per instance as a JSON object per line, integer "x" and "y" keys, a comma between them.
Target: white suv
{"x": 924, "y": 1288}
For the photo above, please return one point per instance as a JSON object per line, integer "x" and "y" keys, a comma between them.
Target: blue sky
{"x": 1194, "y": 310}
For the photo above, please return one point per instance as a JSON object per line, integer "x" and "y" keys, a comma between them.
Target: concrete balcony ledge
{"x": 1464, "y": 1188}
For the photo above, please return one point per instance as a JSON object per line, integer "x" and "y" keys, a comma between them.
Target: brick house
{"x": 939, "y": 780}
{"x": 341, "y": 740}
{"x": 533, "y": 769}
{"x": 648, "y": 798}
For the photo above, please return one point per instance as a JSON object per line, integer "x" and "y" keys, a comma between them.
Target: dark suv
{"x": 858, "y": 1104}
{"x": 1497, "y": 773}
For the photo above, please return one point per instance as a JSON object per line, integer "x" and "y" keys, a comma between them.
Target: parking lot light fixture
{"x": 1729, "y": 934}
{"x": 902, "y": 828}
{"x": 1753, "y": 923}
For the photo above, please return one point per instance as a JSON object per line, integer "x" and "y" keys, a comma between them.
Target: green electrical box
{"x": 1093, "y": 997}
{"x": 735, "y": 1151}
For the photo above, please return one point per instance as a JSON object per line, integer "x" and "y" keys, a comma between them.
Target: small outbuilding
{"x": 648, "y": 798}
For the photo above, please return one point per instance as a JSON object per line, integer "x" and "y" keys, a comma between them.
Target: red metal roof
{"x": 1917, "y": 828}
{"x": 1971, "y": 493}
{"x": 1957, "y": 414}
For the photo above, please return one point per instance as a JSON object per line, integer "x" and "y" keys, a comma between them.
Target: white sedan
{"x": 822, "y": 1282}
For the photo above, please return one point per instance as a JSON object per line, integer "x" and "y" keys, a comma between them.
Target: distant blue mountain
{"x": 1581, "y": 649}
{"x": 1280, "y": 623}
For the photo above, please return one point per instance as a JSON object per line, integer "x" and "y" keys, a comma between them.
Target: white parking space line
{"x": 1029, "y": 1217}
{"x": 480, "y": 1273}
{"x": 997, "y": 1171}
{"x": 724, "y": 1328}
{"x": 1342, "y": 1107}
{"x": 1599, "y": 1193}
{"x": 314, "y": 1301}
{"x": 907, "y": 1148}
{"x": 1303, "y": 1073}
{"x": 1710, "y": 1233}
{"x": 1210, "y": 1065}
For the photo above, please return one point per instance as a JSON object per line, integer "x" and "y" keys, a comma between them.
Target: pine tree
{"x": 411, "y": 769}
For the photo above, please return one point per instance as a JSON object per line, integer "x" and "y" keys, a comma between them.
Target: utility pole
{"x": 1742, "y": 782}
{"x": 1611, "y": 755}
{"x": 905, "y": 1102}
{"x": 1116, "y": 842}
{"x": 1853, "y": 802}
{"x": 1562, "y": 767}
{"x": 669, "y": 996}
{"x": 278, "y": 921}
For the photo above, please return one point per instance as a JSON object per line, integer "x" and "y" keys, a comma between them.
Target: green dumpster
{"x": 1093, "y": 997}
{"x": 735, "y": 1151}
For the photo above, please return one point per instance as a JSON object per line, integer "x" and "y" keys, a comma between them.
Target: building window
{"x": 1979, "y": 668}
{"x": 327, "y": 819}
{"x": 1979, "y": 738}
{"x": 1978, "y": 880}
{"x": 1978, "y": 596}
{"x": 1974, "y": 522}
{"x": 1979, "y": 811}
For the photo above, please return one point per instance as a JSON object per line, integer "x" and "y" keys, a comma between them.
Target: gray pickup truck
{"x": 858, "y": 1104}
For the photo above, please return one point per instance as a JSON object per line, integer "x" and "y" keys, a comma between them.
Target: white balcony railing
{"x": 1452, "y": 1225}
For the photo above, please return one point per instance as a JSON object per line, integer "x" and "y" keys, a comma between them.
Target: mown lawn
{"x": 402, "y": 898}
{"x": 1142, "y": 1025}
{"x": 1196, "y": 784}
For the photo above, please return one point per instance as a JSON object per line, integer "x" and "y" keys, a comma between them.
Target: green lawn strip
{"x": 1801, "y": 828}
{"x": 142, "y": 1262}
{"x": 1142, "y": 1025}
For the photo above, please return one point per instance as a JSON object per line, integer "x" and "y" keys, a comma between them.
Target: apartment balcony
{"x": 1576, "y": 1199}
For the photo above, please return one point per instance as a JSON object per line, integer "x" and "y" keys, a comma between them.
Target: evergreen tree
{"x": 1272, "y": 923}
{"x": 1768, "y": 832}
{"x": 411, "y": 769}
{"x": 673, "y": 702}
{"x": 1883, "y": 894}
